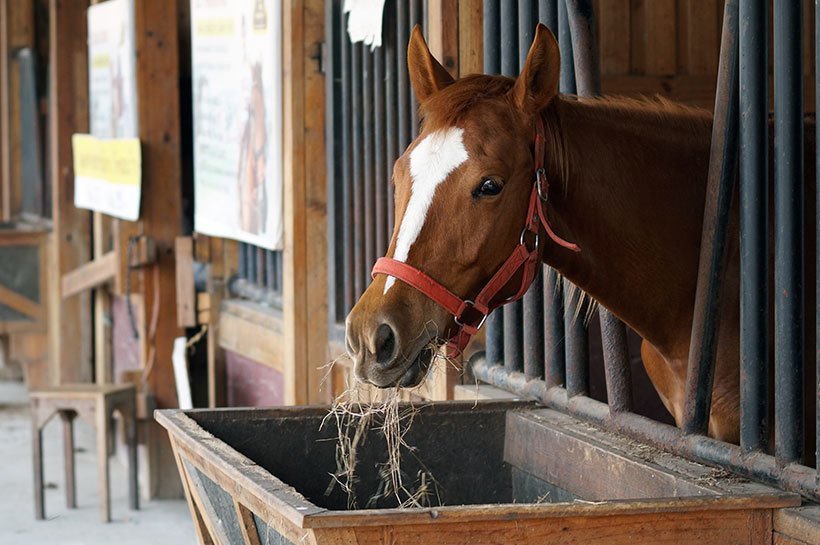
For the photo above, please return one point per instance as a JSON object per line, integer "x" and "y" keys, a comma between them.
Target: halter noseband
{"x": 470, "y": 314}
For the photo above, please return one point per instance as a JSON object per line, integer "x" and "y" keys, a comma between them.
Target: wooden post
{"x": 16, "y": 31}
{"x": 305, "y": 253}
{"x": 470, "y": 38}
{"x": 443, "y": 32}
{"x": 70, "y": 336}
{"x": 159, "y": 130}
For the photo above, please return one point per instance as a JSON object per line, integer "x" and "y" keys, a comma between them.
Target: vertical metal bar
{"x": 492, "y": 35}
{"x": 513, "y": 312}
{"x": 817, "y": 244}
{"x": 584, "y": 48}
{"x": 754, "y": 213}
{"x": 369, "y": 163}
{"x": 548, "y": 14}
{"x": 720, "y": 185}
{"x": 404, "y": 91}
{"x": 616, "y": 362}
{"x": 533, "y": 303}
{"x": 416, "y": 18}
{"x": 554, "y": 338}
{"x": 391, "y": 108}
{"x": 788, "y": 222}
{"x": 243, "y": 261}
{"x": 379, "y": 136}
{"x": 270, "y": 272}
{"x": 567, "y": 82}
{"x": 359, "y": 214}
{"x": 577, "y": 343}
{"x": 261, "y": 277}
{"x": 334, "y": 153}
{"x": 492, "y": 65}
{"x": 347, "y": 165}
{"x": 250, "y": 255}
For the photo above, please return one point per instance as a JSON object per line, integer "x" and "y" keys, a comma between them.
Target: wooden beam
{"x": 443, "y": 33}
{"x": 186, "y": 290}
{"x": 217, "y": 278}
{"x": 70, "y": 336}
{"x": 254, "y": 332}
{"x": 470, "y": 38}
{"x": 157, "y": 43}
{"x": 90, "y": 275}
{"x": 21, "y": 304}
{"x": 305, "y": 252}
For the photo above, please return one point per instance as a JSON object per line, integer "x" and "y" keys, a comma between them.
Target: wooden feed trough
{"x": 507, "y": 473}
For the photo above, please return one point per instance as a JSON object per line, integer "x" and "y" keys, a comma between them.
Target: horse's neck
{"x": 634, "y": 185}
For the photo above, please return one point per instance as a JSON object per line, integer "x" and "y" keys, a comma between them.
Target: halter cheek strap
{"x": 469, "y": 314}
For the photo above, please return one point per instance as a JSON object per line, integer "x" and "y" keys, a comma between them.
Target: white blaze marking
{"x": 431, "y": 161}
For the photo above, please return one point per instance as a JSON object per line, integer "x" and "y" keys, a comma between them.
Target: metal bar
{"x": 347, "y": 165}
{"x": 567, "y": 81}
{"x": 250, "y": 256}
{"x": 554, "y": 339}
{"x": 261, "y": 276}
{"x": 404, "y": 91}
{"x": 492, "y": 65}
{"x": 577, "y": 343}
{"x": 616, "y": 362}
{"x": 548, "y": 14}
{"x": 359, "y": 256}
{"x": 527, "y": 20}
{"x": 719, "y": 189}
{"x": 270, "y": 270}
{"x": 817, "y": 246}
{"x": 792, "y": 477}
{"x": 369, "y": 162}
{"x": 242, "y": 269}
{"x": 584, "y": 49}
{"x": 754, "y": 214}
{"x": 509, "y": 39}
{"x": 492, "y": 36}
{"x": 788, "y": 222}
{"x": 379, "y": 142}
{"x": 245, "y": 289}
{"x": 391, "y": 108}
{"x": 333, "y": 155}
{"x": 416, "y": 18}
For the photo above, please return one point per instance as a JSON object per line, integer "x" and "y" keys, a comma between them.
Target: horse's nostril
{"x": 385, "y": 344}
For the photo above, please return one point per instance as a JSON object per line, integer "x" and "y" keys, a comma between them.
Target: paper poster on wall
{"x": 107, "y": 175}
{"x": 112, "y": 76}
{"x": 237, "y": 91}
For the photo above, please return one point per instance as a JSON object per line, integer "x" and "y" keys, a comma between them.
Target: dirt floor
{"x": 157, "y": 523}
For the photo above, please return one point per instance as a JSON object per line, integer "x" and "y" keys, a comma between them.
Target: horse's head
{"x": 462, "y": 191}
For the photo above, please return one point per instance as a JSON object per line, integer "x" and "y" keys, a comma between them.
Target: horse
{"x": 621, "y": 206}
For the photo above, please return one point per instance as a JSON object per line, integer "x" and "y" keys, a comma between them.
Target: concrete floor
{"x": 156, "y": 523}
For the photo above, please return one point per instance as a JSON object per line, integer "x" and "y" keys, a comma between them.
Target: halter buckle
{"x": 524, "y": 231}
{"x": 540, "y": 184}
{"x": 470, "y": 305}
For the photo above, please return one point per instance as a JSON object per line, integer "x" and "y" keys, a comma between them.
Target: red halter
{"x": 470, "y": 314}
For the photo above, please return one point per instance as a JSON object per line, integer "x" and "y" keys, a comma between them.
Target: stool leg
{"x": 133, "y": 485}
{"x": 102, "y": 461}
{"x": 37, "y": 458}
{"x": 68, "y": 458}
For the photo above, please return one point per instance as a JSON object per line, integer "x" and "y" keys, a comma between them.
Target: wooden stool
{"x": 95, "y": 403}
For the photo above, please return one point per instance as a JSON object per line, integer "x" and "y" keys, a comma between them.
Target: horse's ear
{"x": 538, "y": 83}
{"x": 426, "y": 74}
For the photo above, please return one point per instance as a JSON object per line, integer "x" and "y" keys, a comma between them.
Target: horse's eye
{"x": 487, "y": 188}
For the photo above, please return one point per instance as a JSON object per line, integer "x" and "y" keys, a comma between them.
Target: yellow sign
{"x": 107, "y": 175}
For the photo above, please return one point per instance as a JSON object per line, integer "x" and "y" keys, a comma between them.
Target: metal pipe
{"x": 509, "y": 39}
{"x": 527, "y": 20}
{"x": 261, "y": 276}
{"x": 577, "y": 343}
{"x": 792, "y": 477}
{"x": 533, "y": 310}
{"x": 242, "y": 269}
{"x": 817, "y": 247}
{"x": 380, "y": 178}
{"x": 548, "y": 14}
{"x": 567, "y": 82}
{"x": 359, "y": 257}
{"x": 348, "y": 231}
{"x": 788, "y": 221}
{"x": 391, "y": 108}
{"x": 554, "y": 339}
{"x": 416, "y": 18}
{"x": 584, "y": 49}
{"x": 250, "y": 264}
{"x": 719, "y": 189}
{"x": 616, "y": 362}
{"x": 754, "y": 213}
{"x": 492, "y": 36}
{"x": 404, "y": 91}
{"x": 333, "y": 154}
{"x": 369, "y": 160}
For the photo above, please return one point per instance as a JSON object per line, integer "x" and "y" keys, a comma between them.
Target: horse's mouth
{"x": 417, "y": 370}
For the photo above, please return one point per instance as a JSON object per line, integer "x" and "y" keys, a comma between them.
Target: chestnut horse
{"x": 627, "y": 185}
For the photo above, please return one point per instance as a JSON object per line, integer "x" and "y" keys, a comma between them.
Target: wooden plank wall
{"x": 671, "y": 48}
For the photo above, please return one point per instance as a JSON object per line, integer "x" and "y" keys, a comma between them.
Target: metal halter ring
{"x": 540, "y": 178}
{"x": 524, "y": 231}
{"x": 471, "y": 305}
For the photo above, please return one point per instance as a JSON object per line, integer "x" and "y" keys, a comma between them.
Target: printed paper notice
{"x": 107, "y": 175}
